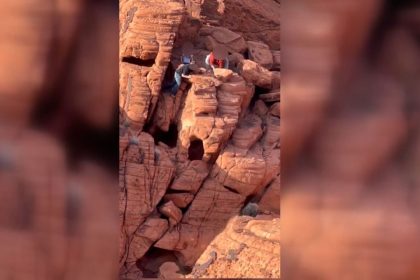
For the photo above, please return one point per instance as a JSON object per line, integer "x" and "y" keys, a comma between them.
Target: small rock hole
{"x": 196, "y": 150}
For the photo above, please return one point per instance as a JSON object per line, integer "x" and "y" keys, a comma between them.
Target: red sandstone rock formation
{"x": 247, "y": 248}
{"x": 191, "y": 162}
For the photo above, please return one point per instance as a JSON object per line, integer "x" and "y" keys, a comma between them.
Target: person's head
{"x": 186, "y": 59}
{"x": 220, "y": 52}
{"x": 187, "y": 49}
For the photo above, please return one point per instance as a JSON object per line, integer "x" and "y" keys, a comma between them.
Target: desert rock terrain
{"x": 199, "y": 169}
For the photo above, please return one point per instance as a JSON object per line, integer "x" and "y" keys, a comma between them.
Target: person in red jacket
{"x": 218, "y": 58}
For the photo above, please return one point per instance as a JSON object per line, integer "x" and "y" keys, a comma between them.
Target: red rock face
{"x": 191, "y": 162}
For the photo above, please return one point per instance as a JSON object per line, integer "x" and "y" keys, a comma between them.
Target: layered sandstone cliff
{"x": 190, "y": 163}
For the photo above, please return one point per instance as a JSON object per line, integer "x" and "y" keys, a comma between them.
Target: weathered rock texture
{"x": 191, "y": 162}
{"x": 247, "y": 248}
{"x": 147, "y": 34}
{"x": 258, "y": 20}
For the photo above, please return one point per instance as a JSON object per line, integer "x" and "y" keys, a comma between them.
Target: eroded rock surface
{"x": 147, "y": 34}
{"x": 244, "y": 241}
{"x": 190, "y": 162}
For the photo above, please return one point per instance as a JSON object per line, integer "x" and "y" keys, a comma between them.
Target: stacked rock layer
{"x": 192, "y": 162}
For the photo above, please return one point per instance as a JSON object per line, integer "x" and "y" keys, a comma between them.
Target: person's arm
{"x": 208, "y": 60}
{"x": 185, "y": 71}
{"x": 208, "y": 64}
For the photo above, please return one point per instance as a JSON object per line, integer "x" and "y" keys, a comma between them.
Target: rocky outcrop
{"x": 257, "y": 20}
{"x": 190, "y": 162}
{"x": 223, "y": 36}
{"x": 147, "y": 34}
{"x": 211, "y": 112}
{"x": 260, "y": 53}
{"x": 145, "y": 172}
{"x": 245, "y": 240}
{"x": 258, "y": 75}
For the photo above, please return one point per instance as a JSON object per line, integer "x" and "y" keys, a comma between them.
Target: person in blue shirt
{"x": 182, "y": 71}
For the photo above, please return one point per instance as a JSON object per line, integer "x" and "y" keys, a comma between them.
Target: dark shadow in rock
{"x": 170, "y": 137}
{"x": 138, "y": 61}
{"x": 153, "y": 259}
{"x": 196, "y": 150}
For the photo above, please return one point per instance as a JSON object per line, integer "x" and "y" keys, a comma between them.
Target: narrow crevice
{"x": 169, "y": 137}
{"x": 260, "y": 90}
{"x": 185, "y": 209}
{"x": 153, "y": 259}
{"x": 171, "y": 191}
{"x": 231, "y": 189}
{"x": 168, "y": 79}
{"x": 160, "y": 204}
{"x": 138, "y": 61}
{"x": 256, "y": 96}
{"x": 255, "y": 198}
{"x": 270, "y": 103}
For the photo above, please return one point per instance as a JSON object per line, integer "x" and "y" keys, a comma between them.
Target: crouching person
{"x": 218, "y": 58}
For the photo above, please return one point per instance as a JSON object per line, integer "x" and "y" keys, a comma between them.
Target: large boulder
{"x": 222, "y": 74}
{"x": 191, "y": 178}
{"x": 257, "y": 20}
{"x": 172, "y": 212}
{"x": 181, "y": 200}
{"x": 211, "y": 111}
{"x": 260, "y": 53}
{"x": 254, "y": 73}
{"x": 233, "y": 42}
{"x": 148, "y": 233}
{"x": 240, "y": 170}
{"x": 169, "y": 270}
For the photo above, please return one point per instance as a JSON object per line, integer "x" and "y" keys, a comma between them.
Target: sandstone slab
{"x": 260, "y": 53}
{"x": 254, "y": 73}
